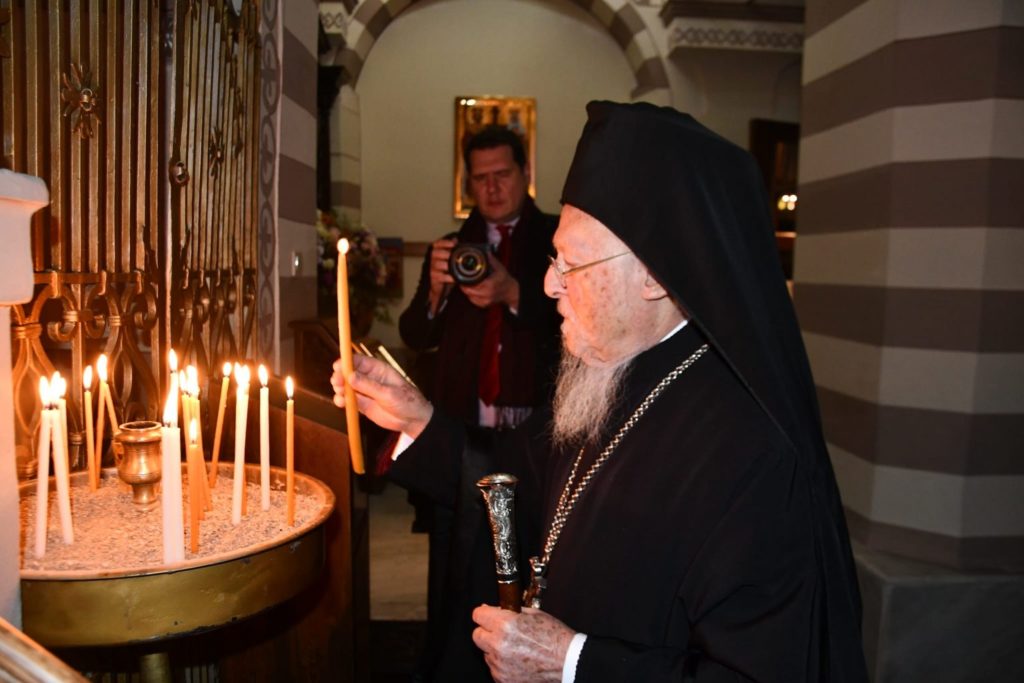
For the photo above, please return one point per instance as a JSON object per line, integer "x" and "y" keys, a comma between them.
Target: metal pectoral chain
{"x": 572, "y": 490}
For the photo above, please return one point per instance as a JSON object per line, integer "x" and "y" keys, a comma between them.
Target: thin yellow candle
{"x": 355, "y": 445}
{"x": 186, "y": 407}
{"x": 264, "y": 437}
{"x": 193, "y": 389}
{"x": 289, "y": 447}
{"x": 226, "y": 371}
{"x": 194, "y": 490}
{"x": 90, "y": 447}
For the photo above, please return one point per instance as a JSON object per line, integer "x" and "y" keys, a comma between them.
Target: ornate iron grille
{"x": 142, "y": 119}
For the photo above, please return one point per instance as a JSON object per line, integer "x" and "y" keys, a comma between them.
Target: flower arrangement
{"x": 367, "y": 268}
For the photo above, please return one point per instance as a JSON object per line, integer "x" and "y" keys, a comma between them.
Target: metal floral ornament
{"x": 81, "y": 101}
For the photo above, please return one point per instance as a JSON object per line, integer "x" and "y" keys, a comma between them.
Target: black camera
{"x": 468, "y": 263}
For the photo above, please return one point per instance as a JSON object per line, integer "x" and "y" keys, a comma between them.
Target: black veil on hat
{"x": 692, "y": 206}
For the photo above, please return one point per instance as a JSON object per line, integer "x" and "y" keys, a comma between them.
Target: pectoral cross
{"x": 538, "y": 582}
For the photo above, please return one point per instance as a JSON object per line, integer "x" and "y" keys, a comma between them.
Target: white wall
{"x": 725, "y": 89}
{"x": 437, "y": 50}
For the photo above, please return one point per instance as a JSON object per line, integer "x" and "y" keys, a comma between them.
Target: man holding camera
{"x": 480, "y": 302}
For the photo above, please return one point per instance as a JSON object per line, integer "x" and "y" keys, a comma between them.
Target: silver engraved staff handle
{"x": 499, "y": 492}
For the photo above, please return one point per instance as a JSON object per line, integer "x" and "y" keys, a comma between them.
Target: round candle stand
{"x": 76, "y": 609}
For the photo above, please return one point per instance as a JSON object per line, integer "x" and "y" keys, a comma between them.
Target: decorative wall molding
{"x": 270, "y": 103}
{"x": 761, "y": 36}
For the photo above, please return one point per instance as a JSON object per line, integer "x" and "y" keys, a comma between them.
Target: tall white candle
{"x": 170, "y": 498}
{"x": 90, "y": 448}
{"x": 43, "y": 471}
{"x": 101, "y": 409}
{"x": 60, "y": 458}
{"x": 264, "y": 439}
{"x": 241, "y": 410}
{"x": 195, "y": 482}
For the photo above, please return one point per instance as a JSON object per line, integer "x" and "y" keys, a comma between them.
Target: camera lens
{"x": 468, "y": 263}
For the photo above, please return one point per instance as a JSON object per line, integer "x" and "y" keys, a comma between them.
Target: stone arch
{"x": 367, "y": 20}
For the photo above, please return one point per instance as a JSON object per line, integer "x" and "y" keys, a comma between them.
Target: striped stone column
{"x": 909, "y": 270}
{"x": 296, "y": 190}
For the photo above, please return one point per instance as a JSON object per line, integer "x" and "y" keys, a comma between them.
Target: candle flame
{"x": 171, "y": 410}
{"x": 343, "y": 246}
{"x": 262, "y": 371}
{"x": 242, "y": 376}
{"x": 172, "y": 360}
{"x": 58, "y": 387}
{"x": 289, "y": 387}
{"x": 44, "y": 391}
{"x": 193, "y": 380}
{"x": 101, "y": 367}
{"x": 226, "y": 370}
{"x": 193, "y": 432}
{"x": 87, "y": 378}
{"x": 182, "y": 382}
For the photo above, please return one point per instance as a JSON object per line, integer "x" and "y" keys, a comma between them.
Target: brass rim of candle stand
{"x": 304, "y": 484}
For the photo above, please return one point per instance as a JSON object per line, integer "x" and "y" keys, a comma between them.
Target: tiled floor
{"x": 398, "y": 587}
{"x": 398, "y": 559}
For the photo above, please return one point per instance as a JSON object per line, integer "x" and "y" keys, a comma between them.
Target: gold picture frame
{"x": 473, "y": 113}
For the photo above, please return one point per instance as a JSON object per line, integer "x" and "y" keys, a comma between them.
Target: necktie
{"x": 490, "y": 378}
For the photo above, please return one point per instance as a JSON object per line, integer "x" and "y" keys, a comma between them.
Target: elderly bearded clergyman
{"x": 678, "y": 493}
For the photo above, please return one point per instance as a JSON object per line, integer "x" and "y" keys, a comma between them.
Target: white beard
{"x": 584, "y": 396}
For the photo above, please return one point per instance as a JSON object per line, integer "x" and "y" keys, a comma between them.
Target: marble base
{"x": 928, "y": 623}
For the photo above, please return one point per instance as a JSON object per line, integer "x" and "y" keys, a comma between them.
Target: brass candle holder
{"x": 137, "y": 456}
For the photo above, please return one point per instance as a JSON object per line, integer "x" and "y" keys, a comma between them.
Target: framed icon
{"x": 473, "y": 113}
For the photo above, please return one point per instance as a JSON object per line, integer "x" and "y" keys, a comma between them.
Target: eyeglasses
{"x": 562, "y": 274}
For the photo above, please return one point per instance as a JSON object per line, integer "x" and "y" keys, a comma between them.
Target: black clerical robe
{"x": 692, "y": 555}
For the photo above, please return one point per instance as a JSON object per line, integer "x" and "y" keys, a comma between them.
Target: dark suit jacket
{"x": 530, "y": 340}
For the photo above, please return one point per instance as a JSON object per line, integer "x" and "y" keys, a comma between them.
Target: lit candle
{"x": 355, "y": 446}
{"x": 111, "y": 415}
{"x": 43, "y": 471}
{"x": 106, "y": 404}
{"x": 59, "y": 435}
{"x": 196, "y": 413}
{"x": 172, "y": 369}
{"x": 90, "y": 448}
{"x": 220, "y": 421}
{"x": 289, "y": 447}
{"x": 186, "y": 406}
{"x": 264, "y": 439}
{"x": 170, "y": 498}
{"x": 241, "y": 409}
{"x": 195, "y": 491}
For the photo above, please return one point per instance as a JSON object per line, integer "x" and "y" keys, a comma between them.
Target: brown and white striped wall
{"x": 297, "y": 172}
{"x": 364, "y": 21}
{"x": 909, "y": 269}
